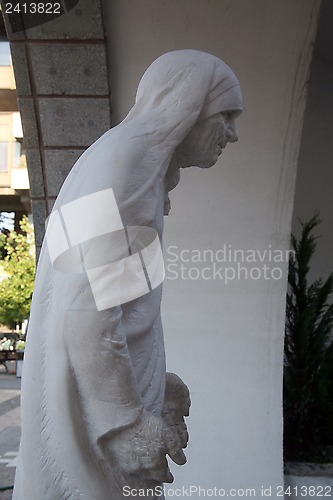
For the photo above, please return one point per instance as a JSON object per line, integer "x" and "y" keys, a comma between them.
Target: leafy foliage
{"x": 5, "y": 221}
{"x": 308, "y": 371}
{"x": 17, "y": 268}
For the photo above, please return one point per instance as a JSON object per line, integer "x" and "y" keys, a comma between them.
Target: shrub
{"x": 308, "y": 370}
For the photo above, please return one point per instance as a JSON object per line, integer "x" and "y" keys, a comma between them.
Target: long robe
{"x": 90, "y": 372}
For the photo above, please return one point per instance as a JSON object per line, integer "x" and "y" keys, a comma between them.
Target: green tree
{"x": 308, "y": 371}
{"x": 17, "y": 273}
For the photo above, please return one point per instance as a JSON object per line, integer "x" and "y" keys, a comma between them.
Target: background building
{"x": 14, "y": 181}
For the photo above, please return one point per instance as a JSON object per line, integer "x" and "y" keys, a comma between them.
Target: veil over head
{"x": 180, "y": 88}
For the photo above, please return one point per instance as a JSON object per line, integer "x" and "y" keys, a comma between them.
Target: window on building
{"x": 16, "y": 153}
{"x": 4, "y": 151}
{"x": 5, "y": 59}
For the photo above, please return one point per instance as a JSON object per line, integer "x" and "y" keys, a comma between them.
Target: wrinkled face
{"x": 207, "y": 139}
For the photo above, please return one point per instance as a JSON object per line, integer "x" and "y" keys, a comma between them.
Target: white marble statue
{"x": 99, "y": 412}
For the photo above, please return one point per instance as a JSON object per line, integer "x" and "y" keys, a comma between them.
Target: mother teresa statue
{"x": 99, "y": 412}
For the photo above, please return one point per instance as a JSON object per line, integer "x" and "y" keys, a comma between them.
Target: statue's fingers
{"x": 178, "y": 456}
{"x": 158, "y": 471}
{"x": 173, "y": 446}
{"x": 183, "y": 435}
{"x": 178, "y": 424}
{"x": 157, "y": 475}
{"x": 167, "y": 417}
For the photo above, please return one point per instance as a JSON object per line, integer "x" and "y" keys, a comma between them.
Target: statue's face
{"x": 207, "y": 139}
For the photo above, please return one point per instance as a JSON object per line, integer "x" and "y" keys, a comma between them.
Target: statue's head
{"x": 192, "y": 100}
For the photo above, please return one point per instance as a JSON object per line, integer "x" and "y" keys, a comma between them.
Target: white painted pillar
{"x": 226, "y": 339}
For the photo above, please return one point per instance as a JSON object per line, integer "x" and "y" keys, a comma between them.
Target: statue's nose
{"x": 232, "y": 133}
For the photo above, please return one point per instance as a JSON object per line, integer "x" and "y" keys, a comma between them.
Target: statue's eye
{"x": 227, "y": 115}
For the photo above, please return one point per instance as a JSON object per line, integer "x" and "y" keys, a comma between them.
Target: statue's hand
{"x": 177, "y": 404}
{"x": 142, "y": 448}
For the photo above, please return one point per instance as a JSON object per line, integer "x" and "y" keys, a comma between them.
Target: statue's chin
{"x": 208, "y": 165}
{"x": 209, "y": 161}
{"x": 201, "y": 159}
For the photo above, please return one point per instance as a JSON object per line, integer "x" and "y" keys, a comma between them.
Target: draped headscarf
{"x": 182, "y": 87}
{"x": 177, "y": 90}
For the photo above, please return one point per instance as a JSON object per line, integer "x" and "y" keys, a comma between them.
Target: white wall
{"x": 315, "y": 173}
{"x": 226, "y": 340}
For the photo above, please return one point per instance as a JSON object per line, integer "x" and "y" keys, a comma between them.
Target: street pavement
{"x": 10, "y": 430}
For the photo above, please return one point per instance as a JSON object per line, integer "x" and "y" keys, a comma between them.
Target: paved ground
{"x": 9, "y": 430}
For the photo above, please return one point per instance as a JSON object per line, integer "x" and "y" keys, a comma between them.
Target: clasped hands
{"x": 141, "y": 449}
